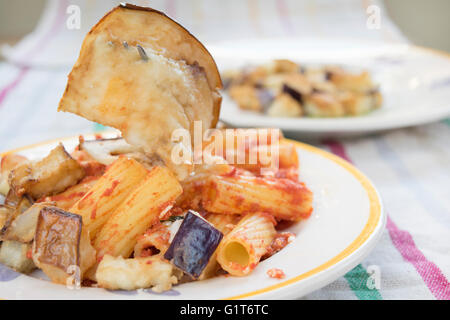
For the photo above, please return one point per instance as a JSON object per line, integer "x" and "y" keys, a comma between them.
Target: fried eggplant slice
{"x": 46, "y": 177}
{"x": 117, "y": 273}
{"x": 8, "y": 162}
{"x": 23, "y": 227}
{"x": 145, "y": 75}
{"x": 60, "y": 245}
{"x": 106, "y": 151}
{"x": 13, "y": 207}
{"x": 16, "y": 255}
{"x": 193, "y": 244}
{"x": 6, "y": 213}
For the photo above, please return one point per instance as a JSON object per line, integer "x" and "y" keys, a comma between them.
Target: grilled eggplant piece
{"x": 6, "y": 212}
{"x": 285, "y": 106}
{"x": 106, "y": 151}
{"x": 14, "y": 206}
{"x": 8, "y": 162}
{"x": 16, "y": 255}
{"x": 23, "y": 227}
{"x": 60, "y": 244}
{"x": 117, "y": 273}
{"x": 46, "y": 177}
{"x": 163, "y": 79}
{"x": 193, "y": 244}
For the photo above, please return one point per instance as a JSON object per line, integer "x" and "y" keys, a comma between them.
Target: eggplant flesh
{"x": 23, "y": 227}
{"x": 15, "y": 255}
{"x": 14, "y": 206}
{"x": 57, "y": 238}
{"x": 46, "y": 177}
{"x": 193, "y": 244}
{"x": 106, "y": 151}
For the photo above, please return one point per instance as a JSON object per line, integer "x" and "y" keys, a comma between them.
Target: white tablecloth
{"x": 410, "y": 167}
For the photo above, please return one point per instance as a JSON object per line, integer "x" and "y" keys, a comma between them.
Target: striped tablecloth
{"x": 410, "y": 167}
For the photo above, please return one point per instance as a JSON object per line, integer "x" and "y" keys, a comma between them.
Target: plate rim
{"x": 368, "y": 236}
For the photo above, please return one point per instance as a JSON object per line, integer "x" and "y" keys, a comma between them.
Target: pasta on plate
{"x": 121, "y": 213}
{"x": 119, "y": 223}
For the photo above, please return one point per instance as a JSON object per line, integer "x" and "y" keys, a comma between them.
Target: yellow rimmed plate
{"x": 347, "y": 222}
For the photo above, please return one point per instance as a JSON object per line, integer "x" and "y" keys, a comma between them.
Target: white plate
{"x": 346, "y": 224}
{"x": 415, "y": 82}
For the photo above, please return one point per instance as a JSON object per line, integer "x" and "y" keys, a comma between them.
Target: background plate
{"x": 346, "y": 224}
{"x": 414, "y": 81}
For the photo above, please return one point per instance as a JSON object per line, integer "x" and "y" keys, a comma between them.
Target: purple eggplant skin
{"x": 265, "y": 98}
{"x": 193, "y": 245}
{"x": 293, "y": 93}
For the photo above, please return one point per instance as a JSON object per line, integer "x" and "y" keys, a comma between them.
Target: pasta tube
{"x": 116, "y": 273}
{"x": 224, "y": 223}
{"x": 193, "y": 185}
{"x": 144, "y": 207}
{"x": 108, "y": 193}
{"x": 68, "y": 198}
{"x": 281, "y": 156}
{"x": 154, "y": 241}
{"x": 240, "y": 250}
{"x": 283, "y": 198}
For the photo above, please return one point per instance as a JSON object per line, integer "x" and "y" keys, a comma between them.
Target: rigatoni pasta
{"x": 241, "y": 249}
{"x": 108, "y": 193}
{"x": 282, "y": 198}
{"x": 224, "y": 223}
{"x": 145, "y": 206}
{"x": 153, "y": 241}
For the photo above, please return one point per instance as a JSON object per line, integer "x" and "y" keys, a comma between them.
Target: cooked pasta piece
{"x": 232, "y": 139}
{"x": 281, "y": 156}
{"x": 108, "y": 193}
{"x": 283, "y": 198}
{"x": 143, "y": 207}
{"x": 68, "y": 198}
{"x": 224, "y": 223}
{"x": 153, "y": 241}
{"x": 193, "y": 185}
{"x": 116, "y": 273}
{"x": 240, "y": 250}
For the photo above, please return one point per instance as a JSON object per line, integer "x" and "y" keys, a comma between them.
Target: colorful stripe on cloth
{"x": 59, "y": 20}
{"x": 403, "y": 241}
{"x": 14, "y": 83}
{"x": 283, "y": 13}
{"x": 357, "y": 279}
{"x": 425, "y": 198}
